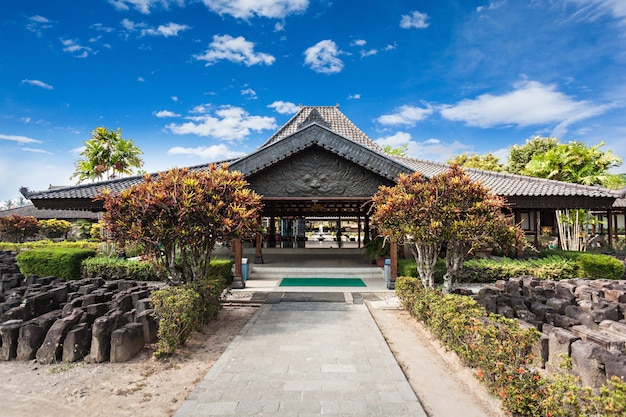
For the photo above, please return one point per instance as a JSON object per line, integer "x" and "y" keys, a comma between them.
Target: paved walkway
{"x": 297, "y": 358}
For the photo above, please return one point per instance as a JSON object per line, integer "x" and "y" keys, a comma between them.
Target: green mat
{"x": 322, "y": 282}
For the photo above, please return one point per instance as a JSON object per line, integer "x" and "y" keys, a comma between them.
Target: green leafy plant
{"x": 18, "y": 228}
{"x": 63, "y": 263}
{"x": 499, "y": 349}
{"x": 176, "y": 309}
{"x": 111, "y": 268}
{"x": 53, "y": 228}
{"x": 181, "y": 214}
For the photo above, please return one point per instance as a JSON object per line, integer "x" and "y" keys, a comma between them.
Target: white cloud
{"x": 144, "y": 6}
{"x": 530, "y": 103}
{"x": 358, "y": 42}
{"x": 141, "y": 79}
{"x": 592, "y": 9}
{"x": 19, "y": 139}
{"x": 284, "y": 107}
{"x": 38, "y": 83}
{"x": 171, "y": 29}
{"x": 397, "y": 139}
{"x": 436, "y": 150}
{"x": 72, "y": 46}
{"x": 322, "y": 57}
{"x": 245, "y": 9}
{"x": 406, "y": 115}
{"x": 354, "y": 97}
{"x": 227, "y": 123}
{"x": 369, "y": 52}
{"x": 279, "y": 26}
{"x": 129, "y": 24}
{"x": 174, "y": 98}
{"x": 391, "y": 47}
{"x": 250, "y": 93}
{"x": 414, "y": 20}
{"x": 491, "y": 6}
{"x": 37, "y": 24}
{"x": 430, "y": 149}
{"x": 101, "y": 28}
{"x": 237, "y": 50}
{"x": 211, "y": 153}
{"x": 165, "y": 113}
{"x": 36, "y": 150}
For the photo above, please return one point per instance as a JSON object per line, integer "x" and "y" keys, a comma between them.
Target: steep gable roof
{"x": 328, "y": 116}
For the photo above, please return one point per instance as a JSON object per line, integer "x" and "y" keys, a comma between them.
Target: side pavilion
{"x": 320, "y": 165}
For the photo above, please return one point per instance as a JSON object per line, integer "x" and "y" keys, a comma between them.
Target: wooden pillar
{"x": 258, "y": 256}
{"x": 358, "y": 233}
{"x": 339, "y": 231}
{"x": 271, "y": 238}
{"x": 537, "y": 227}
{"x": 609, "y": 216}
{"x": 393, "y": 267}
{"x": 238, "y": 282}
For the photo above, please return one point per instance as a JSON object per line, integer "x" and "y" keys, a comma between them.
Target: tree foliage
{"x": 447, "y": 209}
{"x": 54, "y": 228}
{"x": 521, "y": 155}
{"x": 488, "y": 162}
{"x": 397, "y": 151}
{"x": 573, "y": 162}
{"x": 180, "y": 215}
{"x": 106, "y": 156}
{"x": 18, "y": 228}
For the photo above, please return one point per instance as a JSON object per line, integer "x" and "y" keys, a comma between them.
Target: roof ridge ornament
{"x": 314, "y": 117}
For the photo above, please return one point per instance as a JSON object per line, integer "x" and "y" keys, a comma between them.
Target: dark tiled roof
{"x": 512, "y": 185}
{"x": 33, "y": 211}
{"x": 328, "y": 116}
{"x": 331, "y": 119}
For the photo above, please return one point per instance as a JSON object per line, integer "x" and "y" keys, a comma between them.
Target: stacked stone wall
{"x": 580, "y": 319}
{"x": 52, "y": 320}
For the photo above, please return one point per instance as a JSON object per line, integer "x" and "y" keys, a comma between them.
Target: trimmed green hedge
{"x": 222, "y": 269}
{"x": 595, "y": 265}
{"x": 63, "y": 263}
{"x": 408, "y": 268}
{"x": 119, "y": 268}
{"x": 49, "y": 244}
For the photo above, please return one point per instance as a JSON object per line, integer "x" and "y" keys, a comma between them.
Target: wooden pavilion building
{"x": 320, "y": 164}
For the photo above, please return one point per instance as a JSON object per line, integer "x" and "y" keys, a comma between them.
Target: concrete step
{"x": 273, "y": 272}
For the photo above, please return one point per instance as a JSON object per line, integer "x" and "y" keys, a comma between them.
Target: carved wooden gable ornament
{"x": 316, "y": 162}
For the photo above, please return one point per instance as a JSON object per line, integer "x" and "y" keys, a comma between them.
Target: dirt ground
{"x": 146, "y": 387}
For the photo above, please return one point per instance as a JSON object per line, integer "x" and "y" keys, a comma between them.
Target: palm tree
{"x": 107, "y": 155}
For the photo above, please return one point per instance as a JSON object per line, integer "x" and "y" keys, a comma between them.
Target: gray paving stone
{"x": 302, "y": 359}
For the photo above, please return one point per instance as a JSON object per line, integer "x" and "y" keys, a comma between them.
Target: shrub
{"x": 119, "y": 268}
{"x": 53, "y": 228}
{"x": 176, "y": 308}
{"x": 408, "y": 268}
{"x": 222, "y": 269}
{"x": 489, "y": 270}
{"x": 499, "y": 349}
{"x": 18, "y": 228}
{"x": 595, "y": 265}
{"x": 62, "y": 263}
{"x": 48, "y": 244}
{"x": 210, "y": 291}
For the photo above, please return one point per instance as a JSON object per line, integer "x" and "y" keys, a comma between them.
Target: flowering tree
{"x": 448, "y": 209}
{"x": 181, "y": 214}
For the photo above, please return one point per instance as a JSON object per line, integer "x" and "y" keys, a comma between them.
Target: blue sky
{"x": 193, "y": 81}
